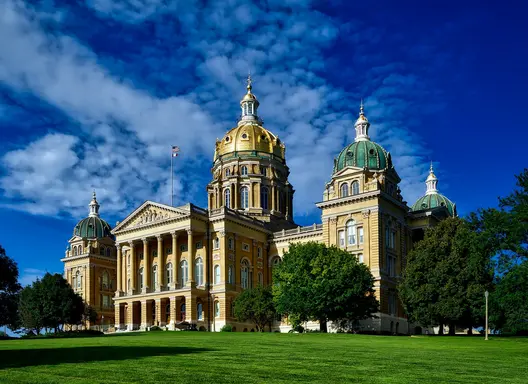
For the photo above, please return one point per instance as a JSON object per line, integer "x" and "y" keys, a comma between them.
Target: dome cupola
{"x": 363, "y": 153}
{"x": 432, "y": 198}
{"x": 92, "y": 227}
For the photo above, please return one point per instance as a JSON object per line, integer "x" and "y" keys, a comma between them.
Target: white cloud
{"x": 29, "y": 275}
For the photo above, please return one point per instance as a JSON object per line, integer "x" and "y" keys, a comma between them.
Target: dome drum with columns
{"x": 171, "y": 266}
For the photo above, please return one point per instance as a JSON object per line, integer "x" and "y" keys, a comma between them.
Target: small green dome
{"x": 434, "y": 200}
{"x": 92, "y": 227}
{"x": 363, "y": 154}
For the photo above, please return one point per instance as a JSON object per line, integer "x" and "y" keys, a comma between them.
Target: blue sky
{"x": 93, "y": 93}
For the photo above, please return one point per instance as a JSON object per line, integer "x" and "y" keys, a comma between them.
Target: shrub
{"x": 202, "y": 329}
{"x": 155, "y": 328}
{"x": 226, "y": 328}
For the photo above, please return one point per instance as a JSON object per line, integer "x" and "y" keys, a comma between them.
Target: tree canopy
{"x": 316, "y": 282}
{"x": 446, "y": 276}
{"x": 256, "y": 305}
{"x": 9, "y": 290}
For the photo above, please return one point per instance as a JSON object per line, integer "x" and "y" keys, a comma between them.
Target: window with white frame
{"x": 231, "y": 243}
{"x": 198, "y": 271}
{"x": 105, "y": 280}
{"x": 168, "y": 271}
{"x": 360, "y": 235}
{"x": 106, "y": 301}
{"x": 227, "y": 172}
{"x": 199, "y": 311}
{"x": 217, "y": 309}
{"x": 140, "y": 278}
{"x": 216, "y": 274}
{"x": 227, "y": 198}
{"x": 244, "y": 197}
{"x": 245, "y": 247}
{"x": 355, "y": 188}
{"x": 78, "y": 280}
{"x": 154, "y": 277}
{"x": 344, "y": 190}
{"x": 342, "y": 239}
{"x": 184, "y": 273}
{"x": 244, "y": 274}
{"x": 243, "y": 170}
{"x": 231, "y": 275}
{"x": 360, "y": 258}
{"x": 216, "y": 243}
{"x": 351, "y": 232}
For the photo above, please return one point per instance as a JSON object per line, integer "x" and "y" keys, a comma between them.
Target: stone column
{"x": 190, "y": 251}
{"x": 146, "y": 267}
{"x": 161, "y": 265}
{"x": 85, "y": 284}
{"x": 172, "y": 312}
{"x": 143, "y": 315}
{"x": 133, "y": 271}
{"x": 129, "y": 316}
{"x": 176, "y": 261}
{"x": 119, "y": 272}
{"x": 251, "y": 197}
{"x": 273, "y": 195}
{"x": 235, "y": 197}
{"x": 117, "y": 311}
{"x": 157, "y": 321}
{"x": 206, "y": 263}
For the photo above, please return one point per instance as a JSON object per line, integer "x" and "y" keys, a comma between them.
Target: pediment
{"x": 348, "y": 171}
{"x": 150, "y": 213}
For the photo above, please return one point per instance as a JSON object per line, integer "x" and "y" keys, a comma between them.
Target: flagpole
{"x": 172, "y": 178}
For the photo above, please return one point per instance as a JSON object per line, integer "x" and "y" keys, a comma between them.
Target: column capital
{"x": 255, "y": 242}
{"x": 189, "y": 231}
{"x": 222, "y": 233}
{"x": 174, "y": 234}
{"x": 118, "y": 246}
{"x": 159, "y": 237}
{"x": 131, "y": 243}
{"x": 144, "y": 239}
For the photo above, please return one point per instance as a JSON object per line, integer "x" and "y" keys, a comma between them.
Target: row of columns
{"x": 161, "y": 262}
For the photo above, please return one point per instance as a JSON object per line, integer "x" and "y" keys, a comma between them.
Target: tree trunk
{"x": 470, "y": 330}
{"x": 451, "y": 329}
{"x": 323, "y": 326}
{"x": 441, "y": 329}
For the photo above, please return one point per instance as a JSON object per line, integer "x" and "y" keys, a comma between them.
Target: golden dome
{"x": 249, "y": 139}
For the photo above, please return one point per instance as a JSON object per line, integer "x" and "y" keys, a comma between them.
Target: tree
{"x": 255, "y": 305}
{"x": 316, "y": 282}
{"x": 9, "y": 290}
{"x": 50, "y": 303}
{"x": 446, "y": 276}
{"x": 89, "y": 315}
{"x": 509, "y": 302}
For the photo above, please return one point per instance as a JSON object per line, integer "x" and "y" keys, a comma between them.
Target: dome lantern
{"x": 431, "y": 182}
{"x": 92, "y": 227}
{"x": 362, "y": 125}
{"x": 249, "y": 105}
{"x": 94, "y": 206}
{"x": 432, "y": 198}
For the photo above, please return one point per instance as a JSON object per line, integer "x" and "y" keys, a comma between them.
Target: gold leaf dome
{"x": 249, "y": 139}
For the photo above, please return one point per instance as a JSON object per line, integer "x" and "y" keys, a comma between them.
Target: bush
{"x": 202, "y": 329}
{"x": 155, "y": 328}
{"x": 226, "y": 328}
{"x": 64, "y": 335}
{"x": 298, "y": 328}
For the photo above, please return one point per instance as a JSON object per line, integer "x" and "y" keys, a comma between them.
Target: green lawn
{"x": 196, "y": 357}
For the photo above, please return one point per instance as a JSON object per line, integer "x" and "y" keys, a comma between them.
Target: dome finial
{"x": 249, "y": 103}
{"x": 249, "y": 86}
{"x": 431, "y": 182}
{"x": 94, "y": 206}
{"x": 362, "y": 125}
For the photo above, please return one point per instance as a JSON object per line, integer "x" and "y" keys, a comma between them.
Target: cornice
{"x": 349, "y": 199}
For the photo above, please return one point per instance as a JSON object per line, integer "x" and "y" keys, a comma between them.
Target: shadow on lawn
{"x": 19, "y": 358}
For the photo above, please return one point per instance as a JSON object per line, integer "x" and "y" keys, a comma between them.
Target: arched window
{"x": 351, "y": 232}
{"x": 140, "y": 278}
{"x": 244, "y": 274}
{"x": 198, "y": 271}
{"x": 355, "y": 188}
{"x": 276, "y": 261}
{"x": 216, "y": 243}
{"x": 74, "y": 251}
{"x": 243, "y": 170}
{"x": 102, "y": 250}
{"x": 264, "y": 193}
{"x": 199, "y": 311}
{"x": 168, "y": 269}
{"x": 260, "y": 278}
{"x": 227, "y": 172}
{"x": 263, "y": 171}
{"x": 227, "y": 198}
{"x": 217, "y": 309}
{"x": 244, "y": 197}
{"x": 106, "y": 280}
{"x": 217, "y": 274}
{"x": 108, "y": 252}
{"x": 184, "y": 272}
{"x": 154, "y": 277}
{"x": 344, "y": 190}
{"x": 230, "y": 275}
{"x": 78, "y": 280}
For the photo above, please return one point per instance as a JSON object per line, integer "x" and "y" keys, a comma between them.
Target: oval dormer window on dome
{"x": 244, "y": 136}
{"x": 227, "y": 139}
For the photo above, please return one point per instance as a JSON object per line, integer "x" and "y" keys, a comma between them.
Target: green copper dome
{"x": 92, "y": 227}
{"x": 363, "y": 154}
{"x": 434, "y": 200}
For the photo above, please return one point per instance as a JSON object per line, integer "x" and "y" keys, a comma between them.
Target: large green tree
{"x": 9, "y": 290}
{"x": 446, "y": 276}
{"x": 256, "y": 305}
{"x": 316, "y": 282}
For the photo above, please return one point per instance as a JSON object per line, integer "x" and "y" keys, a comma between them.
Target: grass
{"x": 196, "y": 357}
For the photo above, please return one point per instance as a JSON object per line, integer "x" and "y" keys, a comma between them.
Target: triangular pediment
{"x": 348, "y": 171}
{"x": 151, "y": 213}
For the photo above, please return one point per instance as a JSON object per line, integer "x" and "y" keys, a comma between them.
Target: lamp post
{"x": 486, "y": 294}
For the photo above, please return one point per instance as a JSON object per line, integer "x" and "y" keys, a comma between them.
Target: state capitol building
{"x": 168, "y": 266}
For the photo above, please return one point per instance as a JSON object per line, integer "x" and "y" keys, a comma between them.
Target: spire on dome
{"x": 362, "y": 125}
{"x": 431, "y": 182}
{"x": 94, "y": 206}
{"x": 249, "y": 104}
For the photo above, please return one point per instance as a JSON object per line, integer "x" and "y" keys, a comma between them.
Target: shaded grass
{"x": 193, "y": 357}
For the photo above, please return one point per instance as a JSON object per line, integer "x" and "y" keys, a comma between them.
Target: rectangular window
{"x": 391, "y": 264}
{"x": 259, "y": 252}
{"x": 392, "y": 303}
{"x": 360, "y": 258}
{"x": 360, "y": 235}
{"x": 216, "y": 243}
{"x": 245, "y": 247}
{"x": 231, "y": 243}
{"x": 183, "y": 248}
{"x": 342, "y": 239}
{"x": 393, "y": 239}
